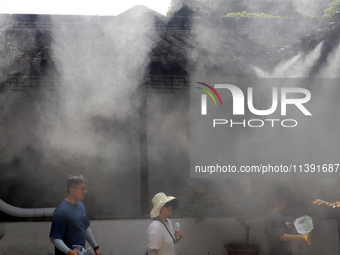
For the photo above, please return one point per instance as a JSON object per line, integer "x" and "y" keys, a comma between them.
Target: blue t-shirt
{"x": 69, "y": 223}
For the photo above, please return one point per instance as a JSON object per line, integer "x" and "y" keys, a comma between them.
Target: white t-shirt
{"x": 160, "y": 239}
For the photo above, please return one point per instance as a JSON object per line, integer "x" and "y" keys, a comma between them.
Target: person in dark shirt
{"x": 70, "y": 223}
{"x": 277, "y": 231}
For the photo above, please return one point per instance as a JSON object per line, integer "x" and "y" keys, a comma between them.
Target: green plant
{"x": 245, "y": 14}
{"x": 333, "y": 10}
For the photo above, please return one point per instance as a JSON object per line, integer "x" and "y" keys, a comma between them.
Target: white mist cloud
{"x": 100, "y": 70}
{"x": 298, "y": 66}
{"x": 331, "y": 70}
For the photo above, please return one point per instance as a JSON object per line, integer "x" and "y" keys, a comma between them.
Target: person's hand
{"x": 307, "y": 238}
{"x": 179, "y": 234}
{"x": 97, "y": 252}
{"x": 72, "y": 252}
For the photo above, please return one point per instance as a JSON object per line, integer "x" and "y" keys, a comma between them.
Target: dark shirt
{"x": 69, "y": 223}
{"x": 276, "y": 226}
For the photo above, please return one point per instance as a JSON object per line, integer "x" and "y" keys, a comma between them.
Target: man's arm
{"x": 92, "y": 241}
{"x": 291, "y": 238}
{"x": 62, "y": 246}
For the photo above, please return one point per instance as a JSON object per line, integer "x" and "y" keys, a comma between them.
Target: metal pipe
{"x": 25, "y": 212}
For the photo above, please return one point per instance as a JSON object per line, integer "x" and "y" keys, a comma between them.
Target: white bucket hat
{"x": 158, "y": 201}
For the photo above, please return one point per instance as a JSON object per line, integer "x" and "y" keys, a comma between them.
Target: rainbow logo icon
{"x": 209, "y": 93}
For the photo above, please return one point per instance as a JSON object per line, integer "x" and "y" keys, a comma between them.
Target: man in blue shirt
{"x": 70, "y": 223}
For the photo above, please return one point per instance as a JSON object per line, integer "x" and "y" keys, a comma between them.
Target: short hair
{"x": 74, "y": 180}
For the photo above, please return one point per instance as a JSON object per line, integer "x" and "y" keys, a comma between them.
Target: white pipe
{"x": 25, "y": 212}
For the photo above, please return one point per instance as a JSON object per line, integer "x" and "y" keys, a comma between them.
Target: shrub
{"x": 245, "y": 14}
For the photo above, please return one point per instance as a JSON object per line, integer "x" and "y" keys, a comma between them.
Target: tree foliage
{"x": 255, "y": 8}
{"x": 245, "y": 14}
{"x": 333, "y": 10}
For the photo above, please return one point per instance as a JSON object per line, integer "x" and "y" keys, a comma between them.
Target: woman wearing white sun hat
{"x": 161, "y": 234}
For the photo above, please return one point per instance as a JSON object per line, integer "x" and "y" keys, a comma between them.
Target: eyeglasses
{"x": 84, "y": 190}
